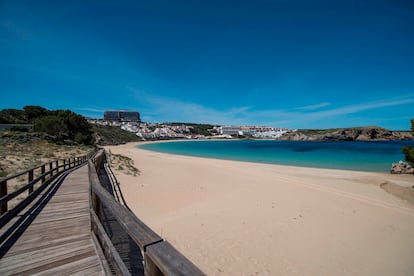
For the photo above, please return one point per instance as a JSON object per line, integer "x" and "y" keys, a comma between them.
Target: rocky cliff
{"x": 348, "y": 134}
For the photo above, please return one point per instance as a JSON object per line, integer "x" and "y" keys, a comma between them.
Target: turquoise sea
{"x": 361, "y": 156}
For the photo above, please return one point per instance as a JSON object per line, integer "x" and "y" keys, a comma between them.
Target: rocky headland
{"x": 372, "y": 133}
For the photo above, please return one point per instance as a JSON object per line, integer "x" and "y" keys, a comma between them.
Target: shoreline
{"x": 378, "y": 168}
{"x": 232, "y": 217}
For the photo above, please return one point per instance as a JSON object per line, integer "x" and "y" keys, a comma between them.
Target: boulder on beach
{"x": 402, "y": 168}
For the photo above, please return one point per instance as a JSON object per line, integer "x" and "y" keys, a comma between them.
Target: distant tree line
{"x": 409, "y": 150}
{"x": 62, "y": 125}
{"x": 196, "y": 129}
{"x": 112, "y": 135}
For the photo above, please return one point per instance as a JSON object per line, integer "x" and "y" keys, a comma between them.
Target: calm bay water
{"x": 362, "y": 156}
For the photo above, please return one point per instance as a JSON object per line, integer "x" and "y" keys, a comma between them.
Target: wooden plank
{"x": 66, "y": 229}
{"x": 3, "y": 192}
{"x": 168, "y": 260}
{"x": 58, "y": 241}
{"x": 42, "y": 242}
{"x": 101, "y": 255}
{"x": 107, "y": 247}
{"x": 68, "y": 218}
{"x": 38, "y": 260}
{"x": 151, "y": 269}
{"x": 86, "y": 266}
{"x": 4, "y": 198}
{"x": 5, "y": 218}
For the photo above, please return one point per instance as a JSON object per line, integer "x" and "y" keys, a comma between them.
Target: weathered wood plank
{"x": 85, "y": 266}
{"x": 163, "y": 257}
{"x": 107, "y": 247}
{"x": 101, "y": 255}
{"x": 45, "y": 242}
{"x": 3, "y": 192}
{"x": 56, "y": 239}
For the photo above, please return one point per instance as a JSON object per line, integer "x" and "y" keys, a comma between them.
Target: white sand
{"x": 239, "y": 218}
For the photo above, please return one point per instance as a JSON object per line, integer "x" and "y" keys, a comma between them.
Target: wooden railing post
{"x": 150, "y": 268}
{"x": 30, "y": 180}
{"x": 64, "y": 164}
{"x": 3, "y": 192}
{"x": 43, "y": 173}
{"x": 51, "y": 168}
{"x": 97, "y": 206}
{"x": 57, "y": 166}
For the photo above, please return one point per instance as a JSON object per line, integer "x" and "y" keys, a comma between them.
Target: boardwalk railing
{"x": 36, "y": 179}
{"x": 114, "y": 182}
{"x": 160, "y": 257}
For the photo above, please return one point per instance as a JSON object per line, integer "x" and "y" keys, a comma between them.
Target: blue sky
{"x": 282, "y": 63}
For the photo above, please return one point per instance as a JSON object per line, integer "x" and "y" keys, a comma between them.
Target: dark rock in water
{"x": 401, "y": 168}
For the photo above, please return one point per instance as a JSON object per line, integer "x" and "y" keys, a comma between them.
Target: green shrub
{"x": 409, "y": 154}
{"x": 63, "y": 126}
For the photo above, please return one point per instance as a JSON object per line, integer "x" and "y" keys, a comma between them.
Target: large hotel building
{"x": 122, "y": 116}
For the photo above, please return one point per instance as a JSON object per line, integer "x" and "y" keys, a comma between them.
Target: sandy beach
{"x": 239, "y": 218}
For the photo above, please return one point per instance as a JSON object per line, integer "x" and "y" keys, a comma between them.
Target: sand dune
{"x": 239, "y": 218}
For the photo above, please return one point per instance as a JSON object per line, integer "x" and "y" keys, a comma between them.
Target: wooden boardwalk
{"x": 52, "y": 236}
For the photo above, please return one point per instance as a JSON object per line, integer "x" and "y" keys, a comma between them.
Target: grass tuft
{"x": 123, "y": 163}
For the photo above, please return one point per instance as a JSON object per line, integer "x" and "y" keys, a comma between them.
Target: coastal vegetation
{"x": 112, "y": 135}
{"x": 197, "y": 129}
{"x": 61, "y": 126}
{"x": 123, "y": 163}
{"x": 311, "y": 132}
{"x": 22, "y": 151}
{"x": 51, "y": 135}
{"x": 409, "y": 150}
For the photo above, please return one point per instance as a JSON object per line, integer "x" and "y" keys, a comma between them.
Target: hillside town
{"x": 151, "y": 131}
{"x": 130, "y": 121}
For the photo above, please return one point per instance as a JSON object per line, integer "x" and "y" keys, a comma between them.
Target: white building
{"x": 231, "y": 130}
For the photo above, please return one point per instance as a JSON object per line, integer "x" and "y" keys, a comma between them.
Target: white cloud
{"x": 168, "y": 109}
{"x": 90, "y": 109}
{"x": 352, "y": 109}
{"x": 314, "y": 107}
